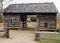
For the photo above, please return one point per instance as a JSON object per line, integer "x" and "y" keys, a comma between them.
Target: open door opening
{"x": 24, "y": 21}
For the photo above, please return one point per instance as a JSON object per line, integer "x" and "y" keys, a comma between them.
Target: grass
{"x": 49, "y": 41}
{"x": 32, "y": 23}
{"x": 49, "y": 38}
{"x": 58, "y": 25}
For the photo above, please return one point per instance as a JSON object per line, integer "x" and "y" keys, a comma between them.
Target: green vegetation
{"x": 32, "y": 23}
{"x": 49, "y": 41}
{"x": 49, "y": 38}
{"x": 58, "y": 29}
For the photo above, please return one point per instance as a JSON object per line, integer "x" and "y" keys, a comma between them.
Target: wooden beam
{"x": 6, "y": 29}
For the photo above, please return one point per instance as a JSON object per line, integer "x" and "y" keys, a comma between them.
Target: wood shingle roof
{"x": 31, "y": 7}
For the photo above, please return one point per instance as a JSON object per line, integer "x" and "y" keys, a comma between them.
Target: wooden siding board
{"x": 50, "y": 19}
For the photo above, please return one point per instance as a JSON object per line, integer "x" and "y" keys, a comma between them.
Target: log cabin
{"x": 46, "y": 15}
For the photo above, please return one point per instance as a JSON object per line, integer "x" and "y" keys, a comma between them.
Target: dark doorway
{"x": 46, "y": 24}
{"x": 24, "y": 21}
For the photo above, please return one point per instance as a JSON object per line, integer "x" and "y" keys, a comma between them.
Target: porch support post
{"x": 6, "y": 28}
{"x": 37, "y": 25}
{"x": 37, "y": 34}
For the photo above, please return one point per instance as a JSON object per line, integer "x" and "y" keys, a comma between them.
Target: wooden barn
{"x": 46, "y": 13}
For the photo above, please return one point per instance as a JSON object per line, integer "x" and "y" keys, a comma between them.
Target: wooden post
{"x": 37, "y": 35}
{"x": 36, "y": 29}
{"x": 7, "y": 29}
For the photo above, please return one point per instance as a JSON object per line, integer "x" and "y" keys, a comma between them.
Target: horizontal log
{"x": 48, "y": 32}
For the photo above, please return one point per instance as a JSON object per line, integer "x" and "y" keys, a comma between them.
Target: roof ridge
{"x": 36, "y": 3}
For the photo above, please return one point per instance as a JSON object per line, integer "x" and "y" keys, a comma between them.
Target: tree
{"x": 1, "y": 7}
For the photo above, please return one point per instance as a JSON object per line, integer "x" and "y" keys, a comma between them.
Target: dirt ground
{"x": 19, "y": 36}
